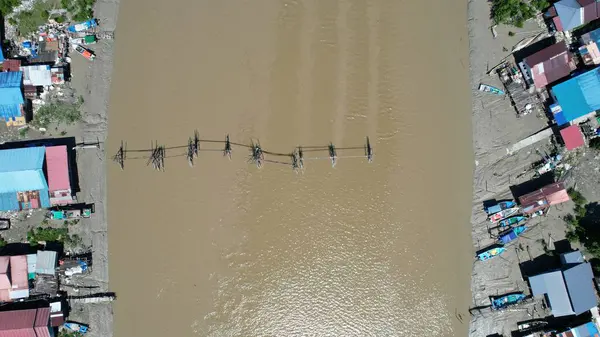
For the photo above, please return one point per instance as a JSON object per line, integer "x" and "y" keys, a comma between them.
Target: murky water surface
{"x": 225, "y": 249}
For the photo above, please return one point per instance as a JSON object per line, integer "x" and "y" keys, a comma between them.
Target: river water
{"x": 226, "y": 249}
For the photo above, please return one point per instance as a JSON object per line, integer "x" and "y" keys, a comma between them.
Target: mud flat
{"x": 495, "y": 128}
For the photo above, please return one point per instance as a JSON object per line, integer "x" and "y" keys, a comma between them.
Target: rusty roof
{"x": 546, "y": 54}
{"x": 11, "y": 65}
{"x": 17, "y": 319}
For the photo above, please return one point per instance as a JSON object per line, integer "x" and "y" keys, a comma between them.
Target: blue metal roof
{"x": 571, "y": 258}
{"x": 11, "y": 96}
{"x": 579, "y": 280}
{"x": 594, "y": 35}
{"x": 21, "y": 170}
{"x": 586, "y": 330}
{"x": 29, "y": 158}
{"x": 553, "y": 285}
{"x": 578, "y": 96}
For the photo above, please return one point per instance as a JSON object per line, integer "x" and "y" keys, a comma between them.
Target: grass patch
{"x": 29, "y": 21}
{"x": 57, "y": 113}
{"x": 512, "y": 12}
{"x": 23, "y": 132}
{"x": 80, "y": 10}
{"x": 2, "y": 242}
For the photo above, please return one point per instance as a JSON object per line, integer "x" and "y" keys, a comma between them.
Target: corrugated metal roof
{"x": 46, "y": 262}
{"x": 553, "y": 285}
{"x": 571, "y": 258}
{"x": 586, "y": 330}
{"x": 58, "y": 168}
{"x": 11, "y": 65}
{"x": 18, "y": 272}
{"x": 31, "y": 263}
{"x": 570, "y": 13}
{"x": 17, "y": 319}
{"x": 578, "y": 96}
{"x": 42, "y": 317}
{"x": 579, "y": 280}
{"x": 37, "y": 75}
{"x": 18, "y": 181}
{"x": 11, "y": 96}
{"x": 4, "y": 260}
{"x": 573, "y": 137}
{"x": 30, "y": 158}
{"x": 546, "y": 54}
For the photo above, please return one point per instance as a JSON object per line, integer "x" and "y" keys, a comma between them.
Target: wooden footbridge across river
{"x": 157, "y": 154}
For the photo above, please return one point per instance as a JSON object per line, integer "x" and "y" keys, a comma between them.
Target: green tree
{"x": 511, "y": 12}
{"x": 7, "y": 6}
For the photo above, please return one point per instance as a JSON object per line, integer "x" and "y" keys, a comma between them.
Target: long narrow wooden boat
{"x": 511, "y": 234}
{"x": 500, "y": 206}
{"x": 505, "y": 213}
{"x": 504, "y": 301}
{"x": 490, "y": 252}
{"x": 514, "y": 220}
{"x": 490, "y": 89}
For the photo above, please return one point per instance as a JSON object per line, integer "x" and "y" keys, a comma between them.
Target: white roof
{"x": 37, "y": 75}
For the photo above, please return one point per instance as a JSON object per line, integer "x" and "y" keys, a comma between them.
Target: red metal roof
{"x": 572, "y": 137}
{"x": 11, "y": 65}
{"x": 16, "y": 319}
{"x": 557, "y": 23}
{"x": 58, "y": 168}
{"x": 18, "y": 272}
{"x": 554, "y": 193}
{"x": 25, "y": 323}
{"x": 42, "y": 317}
{"x": 550, "y": 64}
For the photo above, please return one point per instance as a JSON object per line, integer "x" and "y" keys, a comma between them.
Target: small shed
{"x": 573, "y": 137}
{"x": 46, "y": 262}
{"x": 11, "y": 98}
{"x": 543, "y": 198}
{"x": 553, "y": 287}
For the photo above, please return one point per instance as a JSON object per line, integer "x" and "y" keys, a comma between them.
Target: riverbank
{"x": 92, "y": 80}
{"x": 495, "y": 128}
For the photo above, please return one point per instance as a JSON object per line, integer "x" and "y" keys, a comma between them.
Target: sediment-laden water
{"x": 226, "y": 249}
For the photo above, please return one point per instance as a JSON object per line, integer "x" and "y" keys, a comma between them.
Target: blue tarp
{"x": 578, "y": 96}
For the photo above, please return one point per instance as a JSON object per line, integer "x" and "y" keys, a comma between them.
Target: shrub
{"x": 57, "y": 112}
{"x": 2, "y": 242}
{"x": 29, "y": 21}
{"x": 576, "y": 196}
{"x": 511, "y": 33}
{"x": 595, "y": 143}
{"x": 511, "y": 12}
{"x": 540, "y": 5}
{"x": 7, "y": 6}
{"x": 47, "y": 234}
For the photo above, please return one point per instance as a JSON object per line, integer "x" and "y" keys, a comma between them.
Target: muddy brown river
{"x": 226, "y": 249}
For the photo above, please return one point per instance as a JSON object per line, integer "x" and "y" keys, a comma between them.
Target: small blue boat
{"x": 500, "y": 207}
{"x": 511, "y": 234}
{"x": 83, "y": 26}
{"x": 490, "y": 252}
{"x": 504, "y": 301}
{"x": 490, "y": 89}
{"x": 76, "y": 327}
{"x": 515, "y": 220}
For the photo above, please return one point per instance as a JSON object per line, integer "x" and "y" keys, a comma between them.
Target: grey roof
{"x": 46, "y": 262}
{"x": 571, "y": 258}
{"x": 553, "y": 285}
{"x": 579, "y": 280}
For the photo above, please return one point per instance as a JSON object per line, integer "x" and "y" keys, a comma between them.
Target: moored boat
{"x": 514, "y": 220}
{"x": 505, "y": 213}
{"x": 86, "y": 40}
{"x": 504, "y": 301}
{"x": 511, "y": 234}
{"x": 83, "y": 26}
{"x": 88, "y": 54}
{"x": 490, "y": 252}
{"x": 499, "y": 207}
{"x": 490, "y": 89}
{"x": 76, "y": 327}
